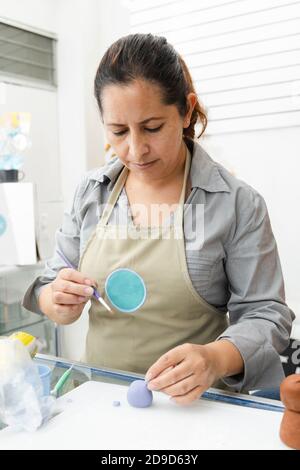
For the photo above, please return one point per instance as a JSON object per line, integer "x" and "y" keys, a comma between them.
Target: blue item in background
{"x": 11, "y": 162}
{"x": 272, "y": 393}
{"x": 125, "y": 290}
{"x": 3, "y": 224}
{"x": 45, "y": 376}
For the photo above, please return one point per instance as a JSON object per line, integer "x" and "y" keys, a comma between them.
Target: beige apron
{"x": 173, "y": 312}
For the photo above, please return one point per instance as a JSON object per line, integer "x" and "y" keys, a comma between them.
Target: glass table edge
{"x": 67, "y": 363}
{"x": 212, "y": 394}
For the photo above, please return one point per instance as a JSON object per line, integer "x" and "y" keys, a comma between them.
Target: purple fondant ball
{"x": 138, "y": 394}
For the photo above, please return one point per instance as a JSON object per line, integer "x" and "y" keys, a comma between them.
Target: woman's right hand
{"x": 69, "y": 293}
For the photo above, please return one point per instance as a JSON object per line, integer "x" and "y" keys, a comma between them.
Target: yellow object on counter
{"x": 28, "y": 340}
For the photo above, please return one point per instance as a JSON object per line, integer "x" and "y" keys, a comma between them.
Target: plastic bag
{"x": 22, "y": 403}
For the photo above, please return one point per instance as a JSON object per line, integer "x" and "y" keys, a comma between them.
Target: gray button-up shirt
{"x": 231, "y": 256}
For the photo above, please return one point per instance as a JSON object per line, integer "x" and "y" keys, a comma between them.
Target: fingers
{"x": 183, "y": 387}
{"x": 167, "y": 380}
{"x": 68, "y": 313}
{"x": 70, "y": 274}
{"x": 185, "y": 373}
{"x": 68, "y": 299}
{"x": 68, "y": 287}
{"x": 191, "y": 396}
{"x": 171, "y": 358}
{"x": 70, "y": 291}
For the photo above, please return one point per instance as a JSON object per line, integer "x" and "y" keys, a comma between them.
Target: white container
{"x": 17, "y": 224}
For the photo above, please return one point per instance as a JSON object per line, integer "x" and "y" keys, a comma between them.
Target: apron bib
{"x": 173, "y": 312}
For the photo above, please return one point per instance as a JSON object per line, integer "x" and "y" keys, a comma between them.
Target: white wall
{"x": 72, "y": 84}
{"x": 37, "y": 13}
{"x": 268, "y": 160}
{"x": 85, "y": 30}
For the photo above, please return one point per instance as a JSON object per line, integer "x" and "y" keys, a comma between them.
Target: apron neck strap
{"x": 178, "y": 215}
{"x": 117, "y": 189}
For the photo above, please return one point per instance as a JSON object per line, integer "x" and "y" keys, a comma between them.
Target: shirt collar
{"x": 108, "y": 173}
{"x": 205, "y": 173}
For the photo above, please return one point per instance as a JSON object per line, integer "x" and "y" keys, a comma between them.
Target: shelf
{"x": 7, "y": 269}
{"x": 14, "y": 281}
{"x": 38, "y": 326}
{"x": 13, "y": 319}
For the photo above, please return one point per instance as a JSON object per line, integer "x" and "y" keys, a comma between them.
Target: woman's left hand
{"x": 184, "y": 372}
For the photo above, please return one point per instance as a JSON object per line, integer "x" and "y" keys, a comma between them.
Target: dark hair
{"x": 151, "y": 58}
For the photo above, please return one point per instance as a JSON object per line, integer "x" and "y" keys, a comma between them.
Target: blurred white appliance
{"x": 17, "y": 224}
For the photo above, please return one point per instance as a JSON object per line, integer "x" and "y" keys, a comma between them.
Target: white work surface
{"x": 90, "y": 421}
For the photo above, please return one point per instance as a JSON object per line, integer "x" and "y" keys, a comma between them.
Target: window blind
{"x": 26, "y": 55}
{"x": 244, "y": 56}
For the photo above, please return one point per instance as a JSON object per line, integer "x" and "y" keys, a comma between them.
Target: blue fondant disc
{"x": 125, "y": 290}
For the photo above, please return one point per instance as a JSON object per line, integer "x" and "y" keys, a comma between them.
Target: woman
{"x": 199, "y": 260}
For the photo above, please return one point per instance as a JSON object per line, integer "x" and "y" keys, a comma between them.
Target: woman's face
{"x": 144, "y": 133}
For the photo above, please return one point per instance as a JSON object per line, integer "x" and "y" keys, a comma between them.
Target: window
{"x": 26, "y": 55}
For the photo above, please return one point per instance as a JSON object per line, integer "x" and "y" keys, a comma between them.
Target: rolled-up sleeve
{"x": 67, "y": 240}
{"x": 260, "y": 320}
